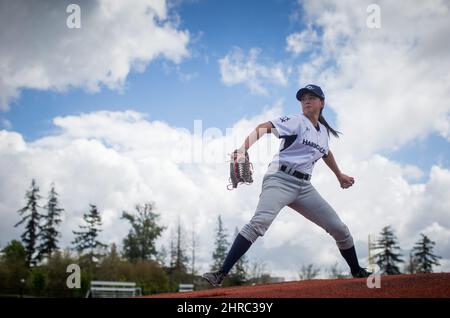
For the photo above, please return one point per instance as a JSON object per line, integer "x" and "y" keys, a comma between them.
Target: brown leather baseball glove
{"x": 241, "y": 169}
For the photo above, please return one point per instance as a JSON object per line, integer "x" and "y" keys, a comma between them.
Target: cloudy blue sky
{"x": 144, "y": 101}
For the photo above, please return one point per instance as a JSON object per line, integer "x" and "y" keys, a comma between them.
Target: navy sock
{"x": 351, "y": 258}
{"x": 239, "y": 247}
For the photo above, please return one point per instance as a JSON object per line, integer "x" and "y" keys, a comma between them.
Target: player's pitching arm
{"x": 257, "y": 133}
{"x": 344, "y": 180}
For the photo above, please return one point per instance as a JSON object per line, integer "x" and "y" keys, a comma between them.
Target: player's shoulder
{"x": 289, "y": 118}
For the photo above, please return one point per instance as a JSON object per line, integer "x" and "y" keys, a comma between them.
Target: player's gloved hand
{"x": 345, "y": 181}
{"x": 241, "y": 168}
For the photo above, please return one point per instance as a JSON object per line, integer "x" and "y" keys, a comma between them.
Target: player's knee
{"x": 342, "y": 236}
{"x": 252, "y": 231}
{"x": 249, "y": 233}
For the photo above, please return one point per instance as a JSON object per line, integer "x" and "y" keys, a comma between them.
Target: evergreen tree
{"x": 193, "y": 247}
{"x": 32, "y": 217}
{"x": 221, "y": 246}
{"x": 49, "y": 233}
{"x": 423, "y": 255}
{"x": 388, "y": 258}
{"x": 173, "y": 251}
{"x": 181, "y": 260}
{"x": 87, "y": 238}
{"x": 178, "y": 259}
{"x": 139, "y": 245}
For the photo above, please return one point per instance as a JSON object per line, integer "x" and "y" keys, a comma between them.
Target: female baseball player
{"x": 287, "y": 181}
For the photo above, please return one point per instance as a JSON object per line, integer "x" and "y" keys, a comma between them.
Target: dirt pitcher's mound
{"x": 399, "y": 286}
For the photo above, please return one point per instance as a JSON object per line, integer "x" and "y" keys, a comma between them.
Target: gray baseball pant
{"x": 280, "y": 189}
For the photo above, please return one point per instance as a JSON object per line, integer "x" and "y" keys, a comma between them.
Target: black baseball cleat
{"x": 361, "y": 273}
{"x": 215, "y": 278}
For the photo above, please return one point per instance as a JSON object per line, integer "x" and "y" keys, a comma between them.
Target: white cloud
{"x": 443, "y": 126}
{"x": 5, "y": 123}
{"x": 302, "y": 41}
{"x": 237, "y": 68}
{"x": 387, "y": 86}
{"x": 38, "y": 51}
{"x": 118, "y": 159}
{"x": 411, "y": 172}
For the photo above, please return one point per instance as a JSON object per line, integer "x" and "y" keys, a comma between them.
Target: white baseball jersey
{"x": 302, "y": 144}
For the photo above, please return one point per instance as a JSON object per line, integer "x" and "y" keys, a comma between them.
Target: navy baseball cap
{"x": 314, "y": 89}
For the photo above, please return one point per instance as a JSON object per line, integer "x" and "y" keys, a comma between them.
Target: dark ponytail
{"x": 329, "y": 129}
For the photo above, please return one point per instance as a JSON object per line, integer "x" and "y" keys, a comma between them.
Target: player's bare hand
{"x": 240, "y": 155}
{"x": 346, "y": 181}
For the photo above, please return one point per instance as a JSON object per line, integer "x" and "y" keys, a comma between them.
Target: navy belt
{"x": 295, "y": 173}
